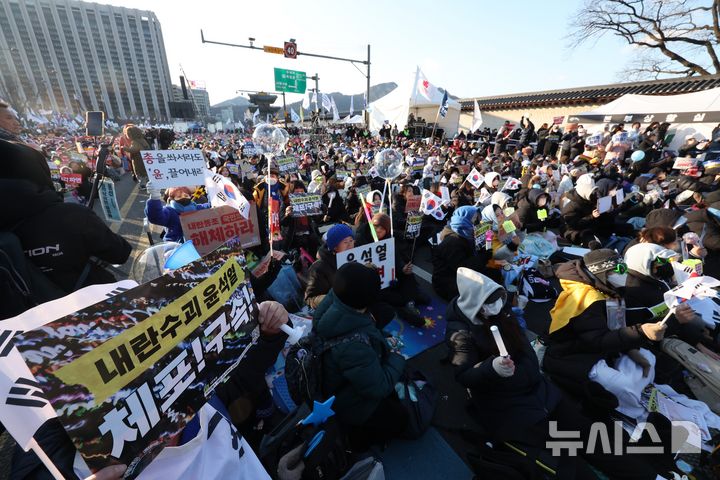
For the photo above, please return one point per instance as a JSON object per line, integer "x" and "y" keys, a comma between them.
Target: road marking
{"x": 115, "y": 227}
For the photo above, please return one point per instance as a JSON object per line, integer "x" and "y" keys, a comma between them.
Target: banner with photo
{"x": 126, "y": 374}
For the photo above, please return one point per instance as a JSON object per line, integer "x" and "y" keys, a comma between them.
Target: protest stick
{"x": 35, "y": 447}
{"x": 499, "y": 341}
{"x": 269, "y": 202}
{"x": 412, "y": 252}
{"x": 368, "y": 216}
{"x": 392, "y": 229}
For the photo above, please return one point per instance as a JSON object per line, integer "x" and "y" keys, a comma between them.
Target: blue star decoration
{"x": 321, "y": 412}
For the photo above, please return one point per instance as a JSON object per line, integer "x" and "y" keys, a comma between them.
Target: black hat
{"x": 602, "y": 262}
{"x": 356, "y": 285}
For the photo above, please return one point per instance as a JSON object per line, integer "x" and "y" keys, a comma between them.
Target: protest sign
{"x": 156, "y": 353}
{"x": 54, "y": 171}
{"x": 108, "y": 200}
{"x": 305, "y": 204}
{"x": 287, "y": 165}
{"x": 25, "y": 407}
{"x": 363, "y": 190}
{"x": 71, "y": 179}
{"x": 212, "y": 227}
{"x": 480, "y": 230}
{"x": 604, "y": 204}
{"x": 412, "y": 203}
{"x": 413, "y": 224}
{"x": 445, "y": 192}
{"x": 249, "y": 149}
{"x": 683, "y": 163}
{"x": 174, "y": 168}
{"x": 464, "y": 169}
{"x": 233, "y": 168}
{"x": 381, "y": 254}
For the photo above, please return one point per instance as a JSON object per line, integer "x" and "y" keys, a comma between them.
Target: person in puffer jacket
{"x": 168, "y": 215}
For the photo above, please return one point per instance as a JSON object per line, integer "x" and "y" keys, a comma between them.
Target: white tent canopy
{"x": 395, "y": 107}
{"x": 354, "y": 120}
{"x": 688, "y": 113}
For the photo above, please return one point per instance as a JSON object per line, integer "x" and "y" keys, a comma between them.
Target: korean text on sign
{"x": 381, "y": 254}
{"x": 305, "y": 204}
{"x": 174, "y": 168}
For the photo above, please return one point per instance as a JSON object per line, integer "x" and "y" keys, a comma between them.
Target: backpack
{"x": 535, "y": 287}
{"x": 22, "y": 284}
{"x": 303, "y": 364}
{"x": 704, "y": 371}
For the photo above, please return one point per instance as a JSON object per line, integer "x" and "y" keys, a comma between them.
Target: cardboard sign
{"x": 174, "y": 168}
{"x": 156, "y": 353}
{"x": 73, "y": 179}
{"x": 413, "y": 225}
{"x": 212, "y": 227}
{"x": 305, "y": 204}
{"x": 684, "y": 163}
{"x": 108, "y": 201}
{"x": 381, "y": 254}
{"x": 287, "y": 165}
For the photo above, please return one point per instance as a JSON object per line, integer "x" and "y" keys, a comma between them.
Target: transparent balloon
{"x": 388, "y": 163}
{"x": 263, "y": 137}
{"x": 149, "y": 264}
{"x": 280, "y": 139}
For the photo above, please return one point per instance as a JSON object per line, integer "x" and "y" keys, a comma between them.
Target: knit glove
{"x": 153, "y": 191}
{"x": 503, "y": 366}
{"x": 290, "y": 466}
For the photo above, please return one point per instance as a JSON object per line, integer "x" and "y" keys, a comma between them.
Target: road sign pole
{"x": 367, "y": 113}
{"x": 285, "y": 111}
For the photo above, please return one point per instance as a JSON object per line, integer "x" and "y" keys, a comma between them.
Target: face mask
{"x": 184, "y": 201}
{"x": 272, "y": 181}
{"x": 537, "y": 185}
{"x": 617, "y": 280}
{"x": 492, "y": 309}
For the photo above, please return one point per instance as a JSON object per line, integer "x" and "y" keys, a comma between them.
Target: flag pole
{"x": 35, "y": 447}
{"x": 432, "y": 135}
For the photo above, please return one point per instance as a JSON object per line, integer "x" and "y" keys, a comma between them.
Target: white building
{"x": 72, "y": 56}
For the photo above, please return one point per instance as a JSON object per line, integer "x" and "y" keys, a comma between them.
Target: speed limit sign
{"x": 290, "y": 50}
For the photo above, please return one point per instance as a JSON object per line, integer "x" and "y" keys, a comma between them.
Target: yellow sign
{"x": 165, "y": 329}
{"x": 276, "y": 50}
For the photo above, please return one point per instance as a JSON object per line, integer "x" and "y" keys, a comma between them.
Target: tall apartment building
{"x": 71, "y": 56}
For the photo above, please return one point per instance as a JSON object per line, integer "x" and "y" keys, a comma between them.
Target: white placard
{"x": 604, "y": 204}
{"x": 174, "y": 168}
{"x": 381, "y": 254}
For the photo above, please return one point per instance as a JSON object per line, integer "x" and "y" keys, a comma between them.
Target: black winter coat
{"x": 320, "y": 277}
{"x": 22, "y": 162}
{"x": 700, "y": 221}
{"x": 528, "y": 213}
{"x": 506, "y": 406}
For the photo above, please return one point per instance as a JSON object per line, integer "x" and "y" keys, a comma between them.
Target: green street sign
{"x": 290, "y": 81}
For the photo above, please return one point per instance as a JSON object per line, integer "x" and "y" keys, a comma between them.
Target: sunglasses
{"x": 662, "y": 261}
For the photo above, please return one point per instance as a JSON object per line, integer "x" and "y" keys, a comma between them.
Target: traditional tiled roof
{"x": 593, "y": 95}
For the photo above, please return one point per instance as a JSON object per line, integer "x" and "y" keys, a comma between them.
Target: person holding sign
{"x": 179, "y": 201}
{"x": 534, "y": 214}
{"x": 299, "y": 232}
{"x": 339, "y": 238}
{"x": 514, "y": 401}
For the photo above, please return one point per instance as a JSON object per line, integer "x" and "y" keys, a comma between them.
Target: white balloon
{"x": 263, "y": 137}
{"x": 388, "y": 163}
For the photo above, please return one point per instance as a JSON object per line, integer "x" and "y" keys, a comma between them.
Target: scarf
{"x": 574, "y": 299}
{"x": 182, "y": 209}
{"x": 461, "y": 222}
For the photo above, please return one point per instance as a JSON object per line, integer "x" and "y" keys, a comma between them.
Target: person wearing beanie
{"x": 456, "y": 249}
{"x": 581, "y": 334}
{"x": 513, "y": 400}
{"x": 339, "y": 238}
{"x": 179, "y": 201}
{"x": 361, "y": 371}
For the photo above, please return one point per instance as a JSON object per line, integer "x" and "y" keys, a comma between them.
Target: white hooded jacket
{"x": 474, "y": 289}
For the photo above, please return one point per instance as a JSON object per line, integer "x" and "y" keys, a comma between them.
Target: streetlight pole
{"x": 367, "y": 101}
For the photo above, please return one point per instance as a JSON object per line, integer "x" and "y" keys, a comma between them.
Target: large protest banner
{"x": 174, "y": 168}
{"x": 305, "y": 204}
{"x": 210, "y": 228}
{"x": 381, "y": 254}
{"x": 24, "y": 406}
{"x": 126, "y": 374}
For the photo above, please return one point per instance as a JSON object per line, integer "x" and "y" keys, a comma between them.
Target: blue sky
{"x": 472, "y": 48}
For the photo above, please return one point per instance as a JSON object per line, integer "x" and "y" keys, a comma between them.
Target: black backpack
{"x": 303, "y": 364}
{"x": 22, "y": 284}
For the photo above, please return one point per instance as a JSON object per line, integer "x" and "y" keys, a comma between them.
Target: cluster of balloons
{"x": 270, "y": 139}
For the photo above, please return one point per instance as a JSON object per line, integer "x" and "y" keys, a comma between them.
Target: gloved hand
{"x": 153, "y": 191}
{"x": 503, "y": 366}
{"x": 290, "y": 465}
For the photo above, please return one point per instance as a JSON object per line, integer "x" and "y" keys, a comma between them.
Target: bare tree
{"x": 673, "y": 37}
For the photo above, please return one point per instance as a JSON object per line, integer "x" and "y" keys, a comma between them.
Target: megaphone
{"x": 184, "y": 254}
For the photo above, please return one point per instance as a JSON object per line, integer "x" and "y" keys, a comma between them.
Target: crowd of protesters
{"x": 613, "y": 194}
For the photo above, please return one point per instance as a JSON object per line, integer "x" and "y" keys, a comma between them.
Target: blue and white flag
{"x": 351, "y": 105}
{"x": 294, "y": 116}
{"x": 444, "y": 106}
